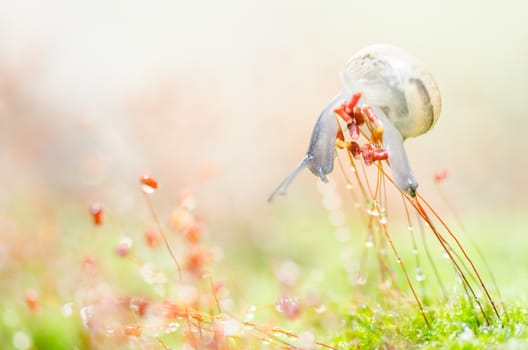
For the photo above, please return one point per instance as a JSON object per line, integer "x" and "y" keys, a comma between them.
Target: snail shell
{"x": 398, "y": 84}
{"x": 405, "y": 98}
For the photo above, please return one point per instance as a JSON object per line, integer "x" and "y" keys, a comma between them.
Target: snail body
{"x": 405, "y": 98}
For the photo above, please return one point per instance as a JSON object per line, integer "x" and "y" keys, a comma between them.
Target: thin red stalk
{"x": 490, "y": 299}
{"x": 475, "y": 247}
{"x": 400, "y": 261}
{"x": 163, "y": 235}
{"x": 424, "y": 215}
{"x": 414, "y": 202}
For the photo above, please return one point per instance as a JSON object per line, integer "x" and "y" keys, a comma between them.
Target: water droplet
{"x": 445, "y": 255}
{"x": 420, "y": 276}
{"x": 386, "y": 284}
{"x": 398, "y": 260}
{"x": 383, "y": 220}
{"x": 349, "y": 186}
{"x": 369, "y": 243}
{"x": 86, "y": 315}
{"x": 228, "y": 327}
{"x": 22, "y": 341}
{"x": 67, "y": 309}
{"x": 373, "y": 211}
{"x": 320, "y": 309}
{"x": 415, "y": 251}
{"x": 361, "y": 280}
{"x": 410, "y": 228}
{"x": 467, "y": 334}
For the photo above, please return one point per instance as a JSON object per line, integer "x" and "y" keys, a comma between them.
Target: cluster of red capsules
{"x": 355, "y": 116}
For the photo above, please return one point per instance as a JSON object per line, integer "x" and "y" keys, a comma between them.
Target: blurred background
{"x": 221, "y": 96}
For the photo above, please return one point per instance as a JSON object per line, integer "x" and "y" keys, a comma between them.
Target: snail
{"x": 402, "y": 93}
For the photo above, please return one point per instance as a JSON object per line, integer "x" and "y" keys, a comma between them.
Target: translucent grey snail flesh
{"x": 405, "y": 98}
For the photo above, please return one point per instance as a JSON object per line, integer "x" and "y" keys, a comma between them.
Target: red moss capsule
{"x": 139, "y": 305}
{"x": 380, "y": 154}
{"x": 32, "y": 300}
{"x": 369, "y": 112}
{"x": 97, "y": 213}
{"x": 89, "y": 260}
{"x": 366, "y": 153}
{"x": 355, "y": 149}
{"x": 152, "y": 237}
{"x": 196, "y": 261}
{"x": 340, "y": 135}
{"x": 172, "y": 310}
{"x": 180, "y": 219}
{"x": 340, "y": 111}
{"x": 148, "y": 183}
{"x": 132, "y": 331}
{"x": 349, "y": 106}
{"x": 441, "y": 175}
{"x": 353, "y": 128}
{"x": 289, "y": 307}
{"x": 193, "y": 233}
{"x": 358, "y": 116}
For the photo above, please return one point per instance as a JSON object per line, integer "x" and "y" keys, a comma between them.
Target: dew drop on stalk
{"x": 320, "y": 309}
{"x": 369, "y": 243}
{"x": 228, "y": 327}
{"x": 385, "y": 284}
{"x": 172, "y": 327}
{"x": 67, "y": 309}
{"x": 420, "y": 276}
{"x": 373, "y": 209}
{"x": 361, "y": 280}
{"x": 86, "y": 315}
{"x": 250, "y": 314}
{"x": 148, "y": 184}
